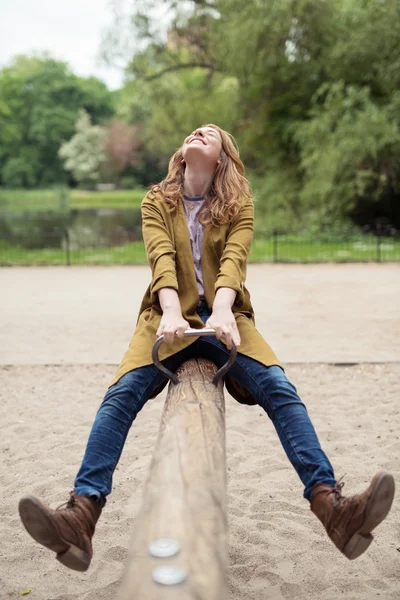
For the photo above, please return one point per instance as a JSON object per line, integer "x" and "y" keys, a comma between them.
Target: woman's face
{"x": 204, "y": 143}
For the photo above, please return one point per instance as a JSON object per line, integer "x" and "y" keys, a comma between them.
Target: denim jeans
{"x": 269, "y": 386}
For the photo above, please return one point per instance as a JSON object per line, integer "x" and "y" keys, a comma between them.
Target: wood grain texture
{"x": 185, "y": 494}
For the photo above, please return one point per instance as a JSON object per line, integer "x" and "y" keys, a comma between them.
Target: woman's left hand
{"x": 223, "y": 321}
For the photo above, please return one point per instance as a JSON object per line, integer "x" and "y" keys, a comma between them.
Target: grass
{"x": 300, "y": 249}
{"x": 117, "y": 199}
{"x": 20, "y": 201}
{"x": 133, "y": 253}
{"x": 294, "y": 251}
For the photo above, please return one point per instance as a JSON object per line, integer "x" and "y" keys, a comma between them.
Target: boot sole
{"x": 378, "y": 506}
{"x": 43, "y": 529}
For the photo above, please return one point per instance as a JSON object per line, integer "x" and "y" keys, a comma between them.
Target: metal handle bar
{"x": 190, "y": 333}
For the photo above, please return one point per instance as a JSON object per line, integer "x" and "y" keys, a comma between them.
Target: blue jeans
{"x": 268, "y": 385}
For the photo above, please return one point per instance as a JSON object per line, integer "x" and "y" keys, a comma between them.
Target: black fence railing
{"x": 327, "y": 246}
{"x": 67, "y": 246}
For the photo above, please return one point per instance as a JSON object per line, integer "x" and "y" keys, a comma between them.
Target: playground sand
{"x": 61, "y": 333}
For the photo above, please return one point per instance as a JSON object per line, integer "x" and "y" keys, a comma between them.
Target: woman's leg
{"x": 278, "y": 397}
{"x": 114, "y": 418}
{"x": 348, "y": 521}
{"x": 68, "y": 530}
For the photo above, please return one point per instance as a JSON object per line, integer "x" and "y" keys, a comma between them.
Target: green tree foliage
{"x": 350, "y": 151}
{"x": 84, "y": 154}
{"x": 310, "y": 88}
{"x": 353, "y": 123}
{"x": 40, "y": 99}
{"x": 172, "y": 85}
{"x": 179, "y": 103}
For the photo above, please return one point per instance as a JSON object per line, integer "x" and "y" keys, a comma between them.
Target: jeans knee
{"x": 279, "y": 382}
{"x": 120, "y": 396}
{"x": 279, "y": 393}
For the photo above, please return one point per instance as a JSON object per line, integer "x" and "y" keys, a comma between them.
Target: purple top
{"x": 192, "y": 208}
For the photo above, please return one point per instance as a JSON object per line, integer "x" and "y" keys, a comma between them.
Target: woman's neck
{"x": 197, "y": 183}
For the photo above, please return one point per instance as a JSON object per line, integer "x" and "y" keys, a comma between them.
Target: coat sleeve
{"x": 233, "y": 263}
{"x": 159, "y": 247}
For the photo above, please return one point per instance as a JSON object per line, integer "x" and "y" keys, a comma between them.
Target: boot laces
{"x": 70, "y": 504}
{"x": 337, "y": 491}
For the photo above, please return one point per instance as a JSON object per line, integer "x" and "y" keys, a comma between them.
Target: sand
{"x": 62, "y": 331}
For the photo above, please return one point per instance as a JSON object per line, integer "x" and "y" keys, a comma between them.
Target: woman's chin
{"x": 198, "y": 157}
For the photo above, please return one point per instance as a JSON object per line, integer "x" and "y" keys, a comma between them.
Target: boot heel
{"x": 75, "y": 559}
{"x": 379, "y": 502}
{"x": 357, "y": 544}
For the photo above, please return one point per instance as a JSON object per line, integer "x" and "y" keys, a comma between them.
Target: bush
{"x": 128, "y": 183}
{"x": 17, "y": 172}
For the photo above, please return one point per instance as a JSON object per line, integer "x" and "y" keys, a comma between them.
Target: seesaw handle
{"x": 190, "y": 333}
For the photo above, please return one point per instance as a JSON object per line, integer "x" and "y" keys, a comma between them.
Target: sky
{"x": 69, "y": 30}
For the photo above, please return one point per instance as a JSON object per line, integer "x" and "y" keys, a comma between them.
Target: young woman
{"x": 197, "y": 228}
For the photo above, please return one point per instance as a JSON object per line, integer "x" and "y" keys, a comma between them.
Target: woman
{"x": 197, "y": 228}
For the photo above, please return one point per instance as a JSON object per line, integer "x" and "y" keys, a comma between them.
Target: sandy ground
{"x": 62, "y": 331}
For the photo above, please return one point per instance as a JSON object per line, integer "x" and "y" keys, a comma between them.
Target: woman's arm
{"x": 159, "y": 247}
{"x": 161, "y": 256}
{"x": 233, "y": 265}
{"x": 232, "y": 276}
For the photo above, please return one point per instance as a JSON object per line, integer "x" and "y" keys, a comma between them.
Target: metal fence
{"x": 326, "y": 246}
{"x": 61, "y": 246}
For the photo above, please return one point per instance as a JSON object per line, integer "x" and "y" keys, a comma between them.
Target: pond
{"x": 85, "y": 228}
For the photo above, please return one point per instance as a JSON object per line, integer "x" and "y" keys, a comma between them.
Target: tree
{"x": 309, "y": 88}
{"x": 84, "y": 153}
{"x": 40, "y": 100}
{"x": 350, "y": 150}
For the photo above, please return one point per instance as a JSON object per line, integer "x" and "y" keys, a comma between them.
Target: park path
{"x": 307, "y": 313}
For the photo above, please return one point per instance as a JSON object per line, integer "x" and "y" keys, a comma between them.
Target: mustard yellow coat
{"x": 224, "y": 261}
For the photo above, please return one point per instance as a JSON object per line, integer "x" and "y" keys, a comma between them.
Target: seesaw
{"x": 179, "y": 543}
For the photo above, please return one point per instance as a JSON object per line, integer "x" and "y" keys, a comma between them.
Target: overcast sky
{"x": 69, "y": 30}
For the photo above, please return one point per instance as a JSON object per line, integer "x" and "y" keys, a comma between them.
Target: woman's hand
{"x": 223, "y": 321}
{"x": 222, "y": 318}
{"x": 171, "y": 322}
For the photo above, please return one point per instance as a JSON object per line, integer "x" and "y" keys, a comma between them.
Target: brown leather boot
{"x": 349, "y": 521}
{"x": 68, "y": 530}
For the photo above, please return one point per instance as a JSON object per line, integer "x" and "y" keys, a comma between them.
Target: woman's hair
{"x": 229, "y": 189}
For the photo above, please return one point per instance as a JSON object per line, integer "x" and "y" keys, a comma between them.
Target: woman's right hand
{"x": 172, "y": 321}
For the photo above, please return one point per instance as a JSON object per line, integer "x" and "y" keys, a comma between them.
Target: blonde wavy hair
{"x": 229, "y": 190}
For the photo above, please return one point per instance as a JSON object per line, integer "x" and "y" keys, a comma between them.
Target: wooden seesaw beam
{"x": 184, "y": 503}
